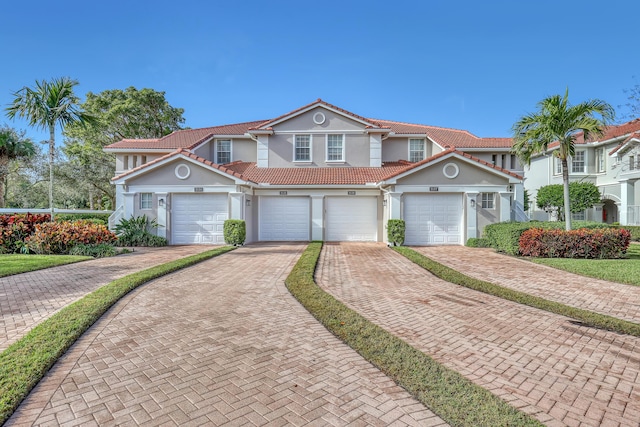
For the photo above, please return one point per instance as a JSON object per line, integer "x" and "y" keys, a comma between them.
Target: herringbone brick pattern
{"x": 559, "y": 371}
{"x": 220, "y": 343}
{"x": 600, "y": 296}
{"x": 28, "y": 299}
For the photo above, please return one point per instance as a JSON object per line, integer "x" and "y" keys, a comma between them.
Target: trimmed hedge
{"x": 60, "y": 237}
{"x": 474, "y": 242}
{"x": 582, "y": 243}
{"x": 505, "y": 236}
{"x": 235, "y": 232}
{"x": 634, "y": 230}
{"x": 96, "y": 218}
{"x": 395, "y": 231}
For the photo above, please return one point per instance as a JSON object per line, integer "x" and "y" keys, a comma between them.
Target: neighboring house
{"x": 319, "y": 173}
{"x": 612, "y": 162}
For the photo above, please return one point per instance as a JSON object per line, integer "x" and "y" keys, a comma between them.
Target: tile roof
{"x": 187, "y": 138}
{"x": 610, "y": 132}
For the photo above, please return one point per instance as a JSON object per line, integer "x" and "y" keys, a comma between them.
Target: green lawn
{"x": 615, "y": 270}
{"x": 14, "y": 264}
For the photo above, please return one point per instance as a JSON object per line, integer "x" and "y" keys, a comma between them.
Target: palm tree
{"x": 48, "y": 104}
{"x": 558, "y": 121}
{"x": 13, "y": 145}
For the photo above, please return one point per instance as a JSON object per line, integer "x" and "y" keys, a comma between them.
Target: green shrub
{"x": 134, "y": 231}
{"x": 634, "y": 230}
{"x": 235, "y": 232}
{"x": 505, "y": 236}
{"x": 582, "y": 243}
{"x": 59, "y": 238}
{"x": 395, "y": 231}
{"x": 96, "y": 218}
{"x": 100, "y": 250}
{"x": 475, "y": 242}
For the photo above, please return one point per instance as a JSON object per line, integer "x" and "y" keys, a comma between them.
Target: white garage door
{"x": 352, "y": 219}
{"x": 284, "y": 218}
{"x": 433, "y": 219}
{"x": 198, "y": 218}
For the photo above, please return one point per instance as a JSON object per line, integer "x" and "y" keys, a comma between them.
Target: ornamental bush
{"x": 395, "y": 232}
{"x": 601, "y": 243}
{"x": 14, "y": 229}
{"x": 60, "y": 237}
{"x": 235, "y": 232}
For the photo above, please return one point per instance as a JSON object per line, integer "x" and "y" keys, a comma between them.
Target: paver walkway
{"x": 545, "y": 364}
{"x": 29, "y": 298}
{"x": 600, "y": 296}
{"x": 220, "y": 343}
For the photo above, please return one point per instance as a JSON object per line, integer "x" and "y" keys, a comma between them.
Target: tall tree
{"x": 46, "y": 105}
{"x": 120, "y": 114}
{"x": 558, "y": 121}
{"x": 13, "y": 145}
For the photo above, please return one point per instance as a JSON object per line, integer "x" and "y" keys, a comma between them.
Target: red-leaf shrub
{"x": 59, "y": 237}
{"x": 582, "y": 243}
{"x": 14, "y": 229}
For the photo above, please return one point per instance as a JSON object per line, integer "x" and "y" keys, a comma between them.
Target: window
{"x": 600, "y": 159}
{"x": 494, "y": 159}
{"x": 223, "y": 151}
{"x": 487, "y": 200}
{"x": 416, "y": 150}
{"x": 143, "y": 160}
{"x": 503, "y": 161}
{"x": 145, "y": 200}
{"x": 558, "y": 168}
{"x": 335, "y": 148}
{"x": 302, "y": 150}
{"x": 578, "y": 216}
{"x": 577, "y": 162}
{"x": 125, "y": 162}
{"x": 134, "y": 161}
{"x": 513, "y": 162}
{"x": 632, "y": 164}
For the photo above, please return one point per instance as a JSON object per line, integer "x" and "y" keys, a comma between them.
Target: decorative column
{"x": 505, "y": 206}
{"x": 263, "y": 151}
{"x": 626, "y": 200}
{"x": 236, "y": 205}
{"x": 162, "y": 214}
{"x": 129, "y": 205}
{"x": 472, "y": 214}
{"x": 317, "y": 216}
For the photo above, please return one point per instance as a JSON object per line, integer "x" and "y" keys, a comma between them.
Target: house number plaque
{"x": 433, "y": 188}
{"x": 198, "y": 189}
{"x": 351, "y": 193}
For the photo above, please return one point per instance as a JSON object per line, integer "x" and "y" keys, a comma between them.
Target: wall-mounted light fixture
{"x": 247, "y": 202}
{"x": 384, "y": 202}
{"x": 473, "y": 203}
{"x": 161, "y": 202}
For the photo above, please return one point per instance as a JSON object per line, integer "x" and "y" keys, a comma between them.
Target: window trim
{"x": 584, "y": 162}
{"x": 342, "y": 158}
{"x": 488, "y": 201}
{"x": 142, "y": 201}
{"x": 601, "y": 160}
{"x": 557, "y": 166}
{"x": 423, "y": 150}
{"x": 295, "y": 148}
{"x": 216, "y": 143}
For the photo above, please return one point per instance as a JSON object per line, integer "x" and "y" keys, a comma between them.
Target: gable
{"x": 321, "y": 120}
{"x": 453, "y": 171}
{"x": 180, "y": 172}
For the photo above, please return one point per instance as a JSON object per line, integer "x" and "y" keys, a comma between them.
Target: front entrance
{"x": 609, "y": 212}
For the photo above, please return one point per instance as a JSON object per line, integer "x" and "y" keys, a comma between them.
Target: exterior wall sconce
{"x": 384, "y": 202}
{"x": 247, "y": 202}
{"x": 161, "y": 202}
{"x": 473, "y": 203}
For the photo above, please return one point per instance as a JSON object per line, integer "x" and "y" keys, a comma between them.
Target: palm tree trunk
{"x": 4, "y": 173}
{"x": 52, "y": 146}
{"x": 567, "y": 199}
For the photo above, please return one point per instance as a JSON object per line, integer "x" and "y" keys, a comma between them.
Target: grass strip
{"x": 26, "y": 361}
{"x": 447, "y": 393}
{"x": 16, "y": 263}
{"x": 586, "y": 317}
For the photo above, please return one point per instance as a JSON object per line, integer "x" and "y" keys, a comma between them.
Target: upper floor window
{"x": 416, "y": 150}
{"x": 487, "y": 200}
{"x": 578, "y": 162}
{"x": 146, "y": 200}
{"x": 302, "y": 148}
{"x": 514, "y": 163}
{"x": 600, "y": 159}
{"x": 558, "y": 166}
{"x": 335, "y": 148}
{"x": 494, "y": 159}
{"x": 223, "y": 151}
{"x": 632, "y": 163}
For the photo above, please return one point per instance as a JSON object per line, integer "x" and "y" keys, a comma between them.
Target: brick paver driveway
{"x": 613, "y": 299}
{"x": 28, "y": 299}
{"x": 557, "y": 370}
{"x": 222, "y": 342}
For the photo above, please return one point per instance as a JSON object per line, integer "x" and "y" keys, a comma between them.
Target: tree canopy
{"x": 558, "y": 121}
{"x": 13, "y": 145}
{"x": 583, "y": 195}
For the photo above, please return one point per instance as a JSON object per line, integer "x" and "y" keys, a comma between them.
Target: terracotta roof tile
{"x": 610, "y": 132}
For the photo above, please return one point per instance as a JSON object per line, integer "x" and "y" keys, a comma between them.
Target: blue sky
{"x": 474, "y": 65}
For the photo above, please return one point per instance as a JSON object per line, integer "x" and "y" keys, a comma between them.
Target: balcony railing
{"x": 633, "y": 215}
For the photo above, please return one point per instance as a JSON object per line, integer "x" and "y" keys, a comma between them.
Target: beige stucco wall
{"x": 281, "y": 151}
{"x": 469, "y": 175}
{"x": 166, "y": 176}
{"x": 334, "y": 122}
{"x": 244, "y": 149}
{"x": 488, "y": 216}
{"x": 397, "y": 148}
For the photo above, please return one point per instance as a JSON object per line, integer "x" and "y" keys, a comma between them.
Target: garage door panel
{"x": 198, "y": 218}
{"x": 284, "y": 218}
{"x": 433, "y": 219}
{"x": 352, "y": 219}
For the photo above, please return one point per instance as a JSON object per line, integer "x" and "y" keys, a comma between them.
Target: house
{"x": 318, "y": 173}
{"x": 611, "y": 162}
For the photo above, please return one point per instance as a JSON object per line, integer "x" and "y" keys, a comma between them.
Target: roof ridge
{"x": 428, "y": 126}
